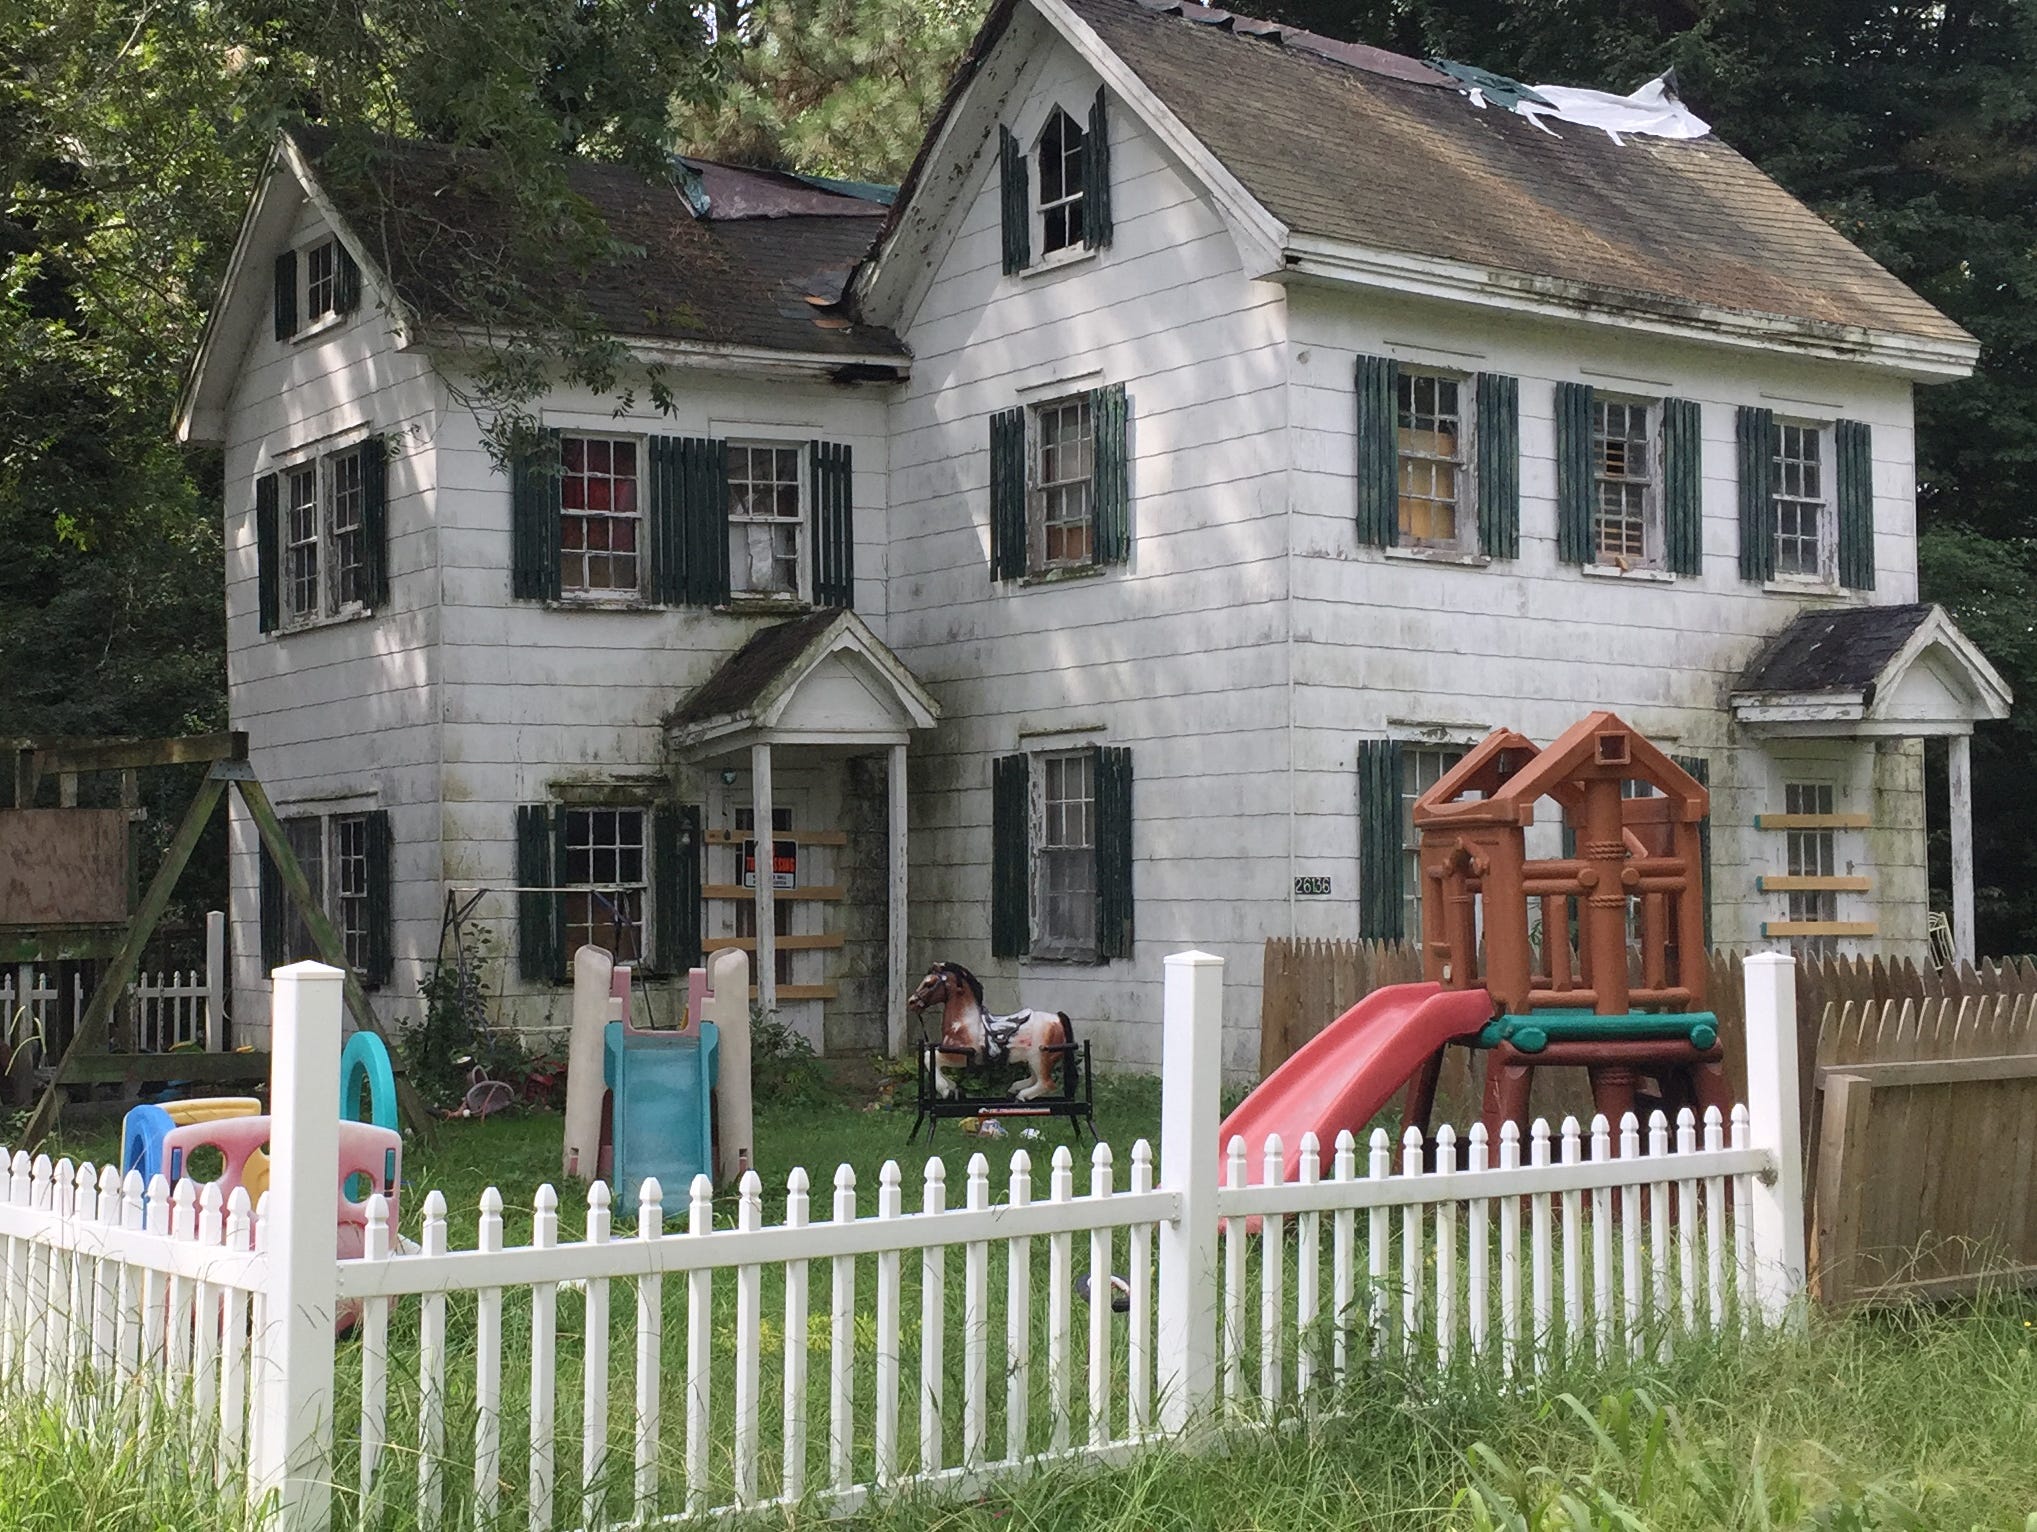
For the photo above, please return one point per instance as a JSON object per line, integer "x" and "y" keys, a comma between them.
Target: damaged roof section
{"x": 1903, "y": 670}
{"x": 1363, "y": 149}
{"x": 715, "y": 256}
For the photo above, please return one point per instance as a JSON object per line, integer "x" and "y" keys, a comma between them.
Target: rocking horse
{"x": 975, "y": 1043}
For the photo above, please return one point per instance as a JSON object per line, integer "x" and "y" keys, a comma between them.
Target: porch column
{"x": 1959, "y": 818}
{"x": 894, "y": 969}
{"x": 767, "y": 916}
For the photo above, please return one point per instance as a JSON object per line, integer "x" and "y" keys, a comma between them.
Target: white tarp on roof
{"x": 1653, "y": 110}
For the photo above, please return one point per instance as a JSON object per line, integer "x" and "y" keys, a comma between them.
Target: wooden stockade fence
{"x": 1919, "y": 1119}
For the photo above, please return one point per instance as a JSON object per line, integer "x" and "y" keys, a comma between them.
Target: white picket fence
{"x": 835, "y": 1360}
{"x": 163, "y": 1011}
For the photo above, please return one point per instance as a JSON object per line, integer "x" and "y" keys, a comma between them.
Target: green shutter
{"x": 381, "y": 902}
{"x": 346, "y": 281}
{"x": 1011, "y": 807}
{"x": 1683, "y": 537}
{"x": 562, "y": 955}
{"x": 268, "y": 566}
{"x": 534, "y": 521}
{"x": 1575, "y": 543}
{"x": 1378, "y": 451}
{"x": 1853, "y": 442}
{"x": 1113, "y": 853}
{"x": 1499, "y": 465}
{"x": 1015, "y": 203}
{"x": 1379, "y": 840}
{"x": 1008, "y": 494}
{"x": 704, "y": 515}
{"x": 275, "y": 907}
{"x": 834, "y": 528}
{"x": 661, "y": 521}
{"x": 286, "y": 295}
{"x": 675, "y": 867}
{"x": 1110, "y": 506}
{"x": 535, "y": 956}
{"x": 1096, "y": 221}
{"x": 1701, "y": 768}
{"x": 375, "y": 522}
{"x": 1754, "y": 446}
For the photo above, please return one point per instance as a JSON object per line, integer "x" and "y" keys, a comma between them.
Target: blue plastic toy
{"x": 660, "y": 1084}
{"x": 365, "y": 1061}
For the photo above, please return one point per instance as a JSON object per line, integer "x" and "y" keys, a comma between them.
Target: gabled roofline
{"x": 1337, "y": 263}
{"x": 1855, "y": 711}
{"x": 193, "y": 420}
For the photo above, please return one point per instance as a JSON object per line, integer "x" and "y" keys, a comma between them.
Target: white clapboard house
{"x": 1089, "y": 553}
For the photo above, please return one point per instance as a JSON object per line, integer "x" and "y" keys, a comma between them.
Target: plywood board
{"x": 63, "y": 867}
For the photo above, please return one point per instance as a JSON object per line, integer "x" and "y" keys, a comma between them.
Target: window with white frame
{"x": 1064, "y": 483}
{"x": 607, "y": 876}
{"x": 1811, "y": 853}
{"x": 1065, "y": 858}
{"x": 321, "y": 281}
{"x": 346, "y": 528}
{"x": 323, "y": 536}
{"x": 1806, "y": 535}
{"x": 300, "y": 542}
{"x": 600, "y": 519}
{"x": 1062, "y": 148}
{"x": 1626, "y": 484}
{"x": 333, "y": 851}
{"x": 1421, "y": 768}
{"x": 1434, "y": 461}
{"x": 767, "y": 517}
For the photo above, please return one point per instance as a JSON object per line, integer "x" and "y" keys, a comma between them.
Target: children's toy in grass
{"x": 967, "y": 1072}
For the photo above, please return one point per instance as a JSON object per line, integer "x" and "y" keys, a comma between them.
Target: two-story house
{"x": 1220, "y": 431}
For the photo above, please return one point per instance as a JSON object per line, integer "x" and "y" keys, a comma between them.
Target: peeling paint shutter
{"x": 703, "y": 484}
{"x": 381, "y": 902}
{"x": 346, "y": 280}
{"x": 1008, "y": 494}
{"x": 275, "y": 908}
{"x": 1754, "y": 444}
{"x": 662, "y": 524}
{"x": 675, "y": 865}
{"x": 1015, "y": 200}
{"x": 1010, "y": 857}
{"x": 1378, "y": 451}
{"x": 562, "y": 956}
{"x": 1683, "y": 541}
{"x": 1379, "y": 843}
{"x": 1113, "y": 852}
{"x": 534, "y": 521}
{"x": 536, "y": 955}
{"x": 1499, "y": 466}
{"x": 834, "y": 528}
{"x": 286, "y": 295}
{"x": 1701, "y": 768}
{"x": 1853, "y": 443}
{"x": 375, "y": 522}
{"x": 268, "y": 578}
{"x": 1110, "y": 507}
{"x": 1574, "y": 540}
{"x": 1096, "y": 221}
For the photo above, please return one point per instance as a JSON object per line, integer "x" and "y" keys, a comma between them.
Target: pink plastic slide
{"x": 1342, "y": 1076}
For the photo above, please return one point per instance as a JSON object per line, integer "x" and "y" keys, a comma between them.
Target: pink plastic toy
{"x": 366, "y": 1151}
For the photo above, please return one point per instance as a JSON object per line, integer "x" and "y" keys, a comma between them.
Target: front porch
{"x": 802, "y": 730}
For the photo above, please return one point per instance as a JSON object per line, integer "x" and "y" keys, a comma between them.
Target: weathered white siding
{"x": 342, "y": 715}
{"x": 1182, "y": 654}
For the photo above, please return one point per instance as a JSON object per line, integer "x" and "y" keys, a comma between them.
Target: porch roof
{"x": 822, "y": 679}
{"x": 1870, "y": 671}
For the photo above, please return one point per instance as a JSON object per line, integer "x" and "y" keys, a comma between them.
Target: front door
{"x": 800, "y": 860}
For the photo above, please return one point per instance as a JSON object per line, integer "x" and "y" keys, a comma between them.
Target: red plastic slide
{"x": 1343, "y": 1075}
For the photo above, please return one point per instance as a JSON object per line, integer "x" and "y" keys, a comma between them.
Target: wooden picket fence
{"x": 530, "y": 1385}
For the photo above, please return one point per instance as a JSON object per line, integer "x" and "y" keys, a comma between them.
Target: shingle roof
{"x": 427, "y": 220}
{"x": 1844, "y": 651}
{"x": 1354, "y": 145}
{"x": 744, "y": 675}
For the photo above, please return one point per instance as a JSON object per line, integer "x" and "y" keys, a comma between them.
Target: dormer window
{"x": 1060, "y": 155}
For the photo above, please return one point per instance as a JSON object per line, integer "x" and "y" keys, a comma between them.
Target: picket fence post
{"x": 1774, "y": 1124}
{"x": 295, "y": 1359}
{"x": 215, "y": 981}
{"x": 1191, "y": 1068}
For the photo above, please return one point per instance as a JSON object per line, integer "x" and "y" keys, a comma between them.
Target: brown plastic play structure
{"x": 1637, "y": 864}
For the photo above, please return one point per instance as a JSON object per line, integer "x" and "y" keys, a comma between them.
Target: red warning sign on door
{"x": 784, "y": 864}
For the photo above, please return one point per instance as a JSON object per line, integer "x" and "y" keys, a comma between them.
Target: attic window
{"x": 321, "y": 281}
{"x": 1061, "y": 151}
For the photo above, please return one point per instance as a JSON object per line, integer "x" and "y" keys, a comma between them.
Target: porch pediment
{"x": 1877, "y": 671}
{"x": 823, "y": 679}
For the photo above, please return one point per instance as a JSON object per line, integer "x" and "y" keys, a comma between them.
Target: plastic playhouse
{"x": 1531, "y": 962}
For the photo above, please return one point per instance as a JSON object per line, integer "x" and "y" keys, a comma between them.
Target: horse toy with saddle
{"x": 966, "y": 1073}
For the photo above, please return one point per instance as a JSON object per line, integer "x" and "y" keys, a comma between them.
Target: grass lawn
{"x": 1922, "y": 1418}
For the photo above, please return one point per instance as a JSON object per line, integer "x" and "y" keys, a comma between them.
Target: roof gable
{"x": 1896, "y": 670}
